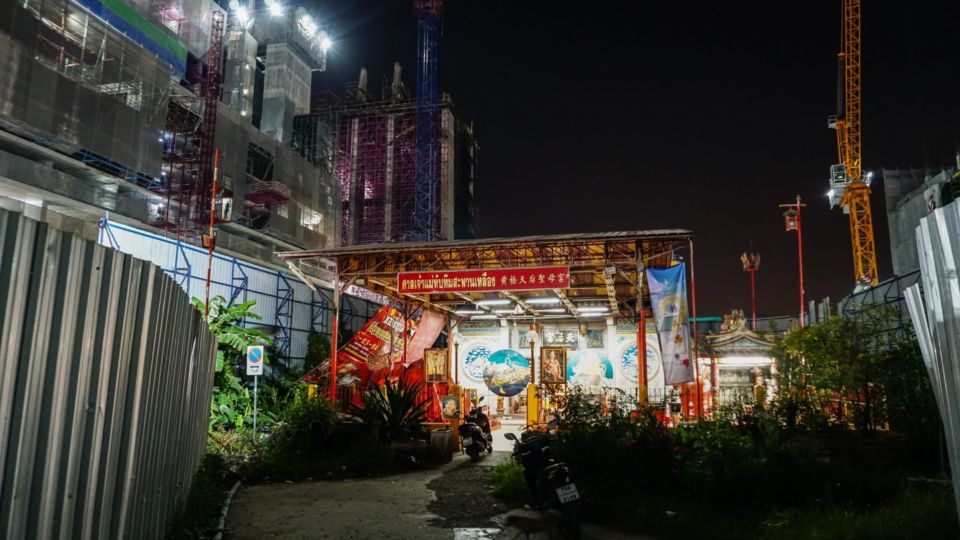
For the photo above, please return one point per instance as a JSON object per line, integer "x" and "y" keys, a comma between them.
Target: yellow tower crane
{"x": 849, "y": 188}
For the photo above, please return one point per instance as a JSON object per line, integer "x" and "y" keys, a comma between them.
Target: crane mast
{"x": 426, "y": 226}
{"x": 848, "y": 186}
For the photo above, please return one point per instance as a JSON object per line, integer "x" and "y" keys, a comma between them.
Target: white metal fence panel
{"x": 936, "y": 318}
{"x": 106, "y": 372}
{"x": 289, "y": 309}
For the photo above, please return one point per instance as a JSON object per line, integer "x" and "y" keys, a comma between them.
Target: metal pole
{"x": 333, "y": 338}
{"x": 696, "y": 349}
{"x": 456, "y": 363}
{"x": 800, "y": 258}
{"x": 406, "y": 334}
{"x": 213, "y": 213}
{"x": 642, "y": 392}
{"x": 255, "y": 407}
{"x": 533, "y": 369}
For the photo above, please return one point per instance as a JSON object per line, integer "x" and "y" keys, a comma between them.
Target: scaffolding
{"x": 370, "y": 148}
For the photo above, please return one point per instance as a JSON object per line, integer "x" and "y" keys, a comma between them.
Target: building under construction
{"x": 113, "y": 112}
{"x": 370, "y": 140}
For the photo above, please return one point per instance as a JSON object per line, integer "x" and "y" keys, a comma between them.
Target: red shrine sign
{"x": 494, "y": 279}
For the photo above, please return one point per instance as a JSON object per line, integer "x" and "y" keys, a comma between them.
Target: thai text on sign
{"x": 495, "y": 279}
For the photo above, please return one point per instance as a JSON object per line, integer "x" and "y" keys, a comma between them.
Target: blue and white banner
{"x": 668, "y": 295}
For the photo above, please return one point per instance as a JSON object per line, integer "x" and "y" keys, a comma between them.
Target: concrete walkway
{"x": 392, "y": 507}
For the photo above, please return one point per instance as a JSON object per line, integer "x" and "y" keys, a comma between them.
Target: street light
{"x": 751, "y": 263}
{"x": 791, "y": 219}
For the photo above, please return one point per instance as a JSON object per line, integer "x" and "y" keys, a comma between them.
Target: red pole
{"x": 213, "y": 209}
{"x": 696, "y": 351}
{"x": 335, "y": 323}
{"x": 803, "y": 306}
{"x": 642, "y": 391}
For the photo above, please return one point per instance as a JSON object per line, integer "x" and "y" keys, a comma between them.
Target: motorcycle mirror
{"x": 510, "y": 437}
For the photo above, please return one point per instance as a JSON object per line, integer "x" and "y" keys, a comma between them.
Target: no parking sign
{"x": 255, "y": 360}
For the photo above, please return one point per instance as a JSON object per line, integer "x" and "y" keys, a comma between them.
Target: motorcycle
{"x": 549, "y": 481}
{"x": 475, "y": 434}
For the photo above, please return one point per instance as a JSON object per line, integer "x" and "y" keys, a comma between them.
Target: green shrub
{"x": 231, "y": 406}
{"x": 917, "y": 513}
{"x": 508, "y": 482}
{"x": 305, "y": 424}
{"x": 199, "y": 514}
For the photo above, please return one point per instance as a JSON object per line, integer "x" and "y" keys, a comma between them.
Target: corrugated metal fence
{"x": 935, "y": 312}
{"x": 106, "y": 371}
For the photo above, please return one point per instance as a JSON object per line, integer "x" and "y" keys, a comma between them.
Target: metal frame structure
{"x": 605, "y": 269}
{"x": 426, "y": 224}
{"x": 848, "y": 177}
{"x": 890, "y": 292}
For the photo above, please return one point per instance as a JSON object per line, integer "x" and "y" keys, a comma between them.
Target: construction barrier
{"x": 106, "y": 371}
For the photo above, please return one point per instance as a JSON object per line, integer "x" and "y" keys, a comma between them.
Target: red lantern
{"x": 791, "y": 219}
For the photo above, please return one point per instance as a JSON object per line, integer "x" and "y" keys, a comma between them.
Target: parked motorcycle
{"x": 475, "y": 433}
{"x": 549, "y": 481}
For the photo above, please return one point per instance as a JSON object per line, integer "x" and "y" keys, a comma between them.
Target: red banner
{"x": 494, "y": 279}
{"x": 368, "y": 350}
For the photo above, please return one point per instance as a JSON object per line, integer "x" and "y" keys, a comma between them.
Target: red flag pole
{"x": 696, "y": 350}
{"x": 334, "y": 324}
{"x": 642, "y": 391}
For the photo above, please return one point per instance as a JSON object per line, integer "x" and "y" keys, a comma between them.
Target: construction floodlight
{"x": 838, "y": 184}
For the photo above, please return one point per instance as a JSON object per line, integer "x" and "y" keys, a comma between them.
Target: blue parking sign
{"x": 255, "y": 357}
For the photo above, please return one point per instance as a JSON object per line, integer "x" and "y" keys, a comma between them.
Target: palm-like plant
{"x": 395, "y": 411}
{"x": 230, "y": 406}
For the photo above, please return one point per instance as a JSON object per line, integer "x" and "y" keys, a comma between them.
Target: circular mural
{"x": 475, "y": 360}
{"x": 507, "y": 372}
{"x": 628, "y": 362}
{"x": 589, "y": 367}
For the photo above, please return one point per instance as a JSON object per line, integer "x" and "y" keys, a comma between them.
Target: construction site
{"x": 157, "y": 126}
{"x": 222, "y": 264}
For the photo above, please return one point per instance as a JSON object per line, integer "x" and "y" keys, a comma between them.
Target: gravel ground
{"x": 463, "y": 497}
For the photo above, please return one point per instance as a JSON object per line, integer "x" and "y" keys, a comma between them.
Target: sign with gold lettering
{"x": 494, "y": 279}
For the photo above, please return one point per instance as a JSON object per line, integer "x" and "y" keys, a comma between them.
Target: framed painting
{"x": 435, "y": 365}
{"x": 450, "y": 407}
{"x": 553, "y": 365}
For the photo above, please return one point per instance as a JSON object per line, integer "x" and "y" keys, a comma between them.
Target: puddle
{"x": 475, "y": 533}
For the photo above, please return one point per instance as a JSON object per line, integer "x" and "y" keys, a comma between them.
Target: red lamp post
{"x": 751, "y": 263}
{"x": 791, "y": 219}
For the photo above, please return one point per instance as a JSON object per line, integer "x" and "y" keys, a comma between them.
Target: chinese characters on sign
{"x": 497, "y": 279}
{"x": 560, "y": 336}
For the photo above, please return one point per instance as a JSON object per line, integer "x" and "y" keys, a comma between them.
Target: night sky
{"x": 599, "y": 116}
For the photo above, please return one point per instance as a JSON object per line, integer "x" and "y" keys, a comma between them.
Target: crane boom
{"x": 848, "y": 187}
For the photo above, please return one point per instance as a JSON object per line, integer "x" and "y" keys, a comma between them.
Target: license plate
{"x": 467, "y": 441}
{"x": 568, "y": 493}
